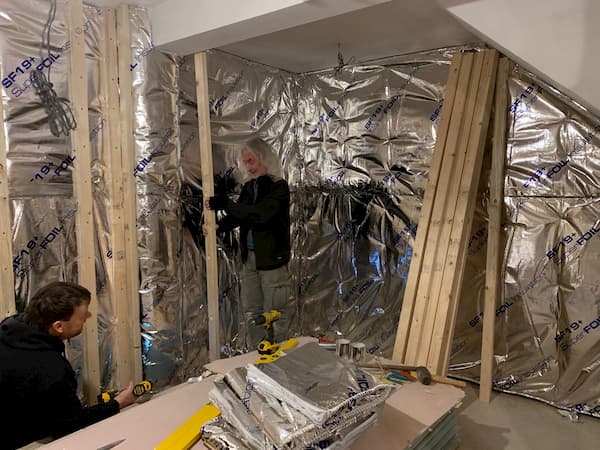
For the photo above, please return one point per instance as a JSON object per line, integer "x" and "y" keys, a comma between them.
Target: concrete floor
{"x": 510, "y": 422}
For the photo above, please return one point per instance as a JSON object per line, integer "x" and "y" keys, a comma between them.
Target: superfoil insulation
{"x": 367, "y": 133}
{"x": 42, "y": 202}
{"x": 246, "y": 100}
{"x": 547, "y": 325}
{"x": 158, "y": 186}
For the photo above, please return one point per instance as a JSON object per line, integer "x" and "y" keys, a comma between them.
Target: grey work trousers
{"x": 262, "y": 291}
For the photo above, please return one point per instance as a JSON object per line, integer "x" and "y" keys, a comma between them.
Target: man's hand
{"x": 205, "y": 230}
{"x": 126, "y": 396}
{"x": 217, "y": 202}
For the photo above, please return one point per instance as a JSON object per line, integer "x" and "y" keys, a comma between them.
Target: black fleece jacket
{"x": 269, "y": 218}
{"x": 38, "y": 387}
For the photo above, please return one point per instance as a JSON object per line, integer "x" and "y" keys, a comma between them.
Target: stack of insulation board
{"x": 310, "y": 398}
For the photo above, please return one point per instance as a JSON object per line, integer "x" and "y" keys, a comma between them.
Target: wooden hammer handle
{"x": 450, "y": 381}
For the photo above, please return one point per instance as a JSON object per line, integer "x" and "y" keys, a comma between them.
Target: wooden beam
{"x": 410, "y": 291}
{"x": 7, "y": 301}
{"x": 212, "y": 272}
{"x": 493, "y": 270}
{"x": 82, "y": 187}
{"x": 125, "y": 352}
{"x": 454, "y": 172}
{"x": 128, "y": 163}
{"x": 461, "y": 227}
{"x": 444, "y": 207}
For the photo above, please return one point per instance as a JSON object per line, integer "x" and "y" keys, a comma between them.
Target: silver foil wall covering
{"x": 354, "y": 144}
{"x": 42, "y": 202}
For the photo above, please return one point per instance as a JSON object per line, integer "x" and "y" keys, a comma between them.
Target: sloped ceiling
{"x": 394, "y": 28}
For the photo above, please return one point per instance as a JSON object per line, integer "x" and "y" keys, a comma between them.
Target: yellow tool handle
{"x": 290, "y": 343}
{"x": 188, "y": 433}
{"x": 142, "y": 387}
{"x": 265, "y": 359}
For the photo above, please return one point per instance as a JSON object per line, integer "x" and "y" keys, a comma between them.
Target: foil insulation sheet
{"x": 318, "y": 383}
{"x": 547, "y": 324}
{"x": 159, "y": 219}
{"x": 42, "y": 203}
{"x": 310, "y": 398}
{"x": 366, "y": 135}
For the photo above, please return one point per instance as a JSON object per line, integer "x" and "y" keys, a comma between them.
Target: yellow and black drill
{"x": 267, "y": 346}
{"x": 141, "y": 388}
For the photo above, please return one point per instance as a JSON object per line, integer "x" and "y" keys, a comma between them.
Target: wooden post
{"x": 126, "y": 351}
{"x": 80, "y": 141}
{"x": 7, "y": 301}
{"x": 212, "y": 273}
{"x": 493, "y": 278}
{"x": 127, "y": 164}
{"x": 410, "y": 292}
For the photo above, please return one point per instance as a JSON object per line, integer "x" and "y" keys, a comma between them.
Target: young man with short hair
{"x": 38, "y": 386}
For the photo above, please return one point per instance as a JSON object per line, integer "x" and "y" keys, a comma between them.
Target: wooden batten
{"x": 465, "y": 211}
{"x": 452, "y": 179}
{"x": 493, "y": 270}
{"x": 410, "y": 292}
{"x": 80, "y": 141}
{"x": 212, "y": 272}
{"x": 127, "y": 165}
{"x": 433, "y": 288}
{"x": 126, "y": 352}
{"x": 7, "y": 281}
{"x": 441, "y": 220}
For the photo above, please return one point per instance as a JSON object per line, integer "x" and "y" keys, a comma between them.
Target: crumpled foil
{"x": 318, "y": 383}
{"x": 237, "y": 416}
{"x": 311, "y": 398}
{"x": 280, "y": 422}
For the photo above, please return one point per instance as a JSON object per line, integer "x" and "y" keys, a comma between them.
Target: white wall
{"x": 189, "y": 26}
{"x": 555, "y": 38}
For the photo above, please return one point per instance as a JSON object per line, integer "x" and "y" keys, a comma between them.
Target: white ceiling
{"x": 394, "y": 28}
{"x": 113, "y": 3}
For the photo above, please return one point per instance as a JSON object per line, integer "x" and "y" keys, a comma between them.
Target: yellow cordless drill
{"x": 141, "y": 388}
{"x": 267, "y": 346}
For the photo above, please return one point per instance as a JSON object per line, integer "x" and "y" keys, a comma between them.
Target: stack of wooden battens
{"x": 432, "y": 293}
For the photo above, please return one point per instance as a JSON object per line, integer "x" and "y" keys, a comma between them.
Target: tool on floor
{"x": 139, "y": 389}
{"x": 267, "y": 346}
{"x": 425, "y": 374}
{"x": 422, "y": 372}
{"x": 111, "y": 445}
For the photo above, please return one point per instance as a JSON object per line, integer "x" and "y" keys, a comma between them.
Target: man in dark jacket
{"x": 263, "y": 214}
{"x": 38, "y": 387}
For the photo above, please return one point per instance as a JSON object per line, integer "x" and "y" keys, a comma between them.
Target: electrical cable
{"x": 60, "y": 116}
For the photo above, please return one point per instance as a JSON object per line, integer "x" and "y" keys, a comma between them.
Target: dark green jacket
{"x": 269, "y": 217}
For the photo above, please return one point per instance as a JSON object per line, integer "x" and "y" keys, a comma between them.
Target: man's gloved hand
{"x": 218, "y": 202}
